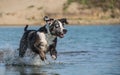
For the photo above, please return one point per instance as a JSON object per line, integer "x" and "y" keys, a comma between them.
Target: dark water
{"x": 85, "y": 50}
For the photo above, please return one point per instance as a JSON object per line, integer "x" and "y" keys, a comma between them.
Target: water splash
{"x": 10, "y": 56}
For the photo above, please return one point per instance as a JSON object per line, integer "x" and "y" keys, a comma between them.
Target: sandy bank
{"x": 22, "y": 12}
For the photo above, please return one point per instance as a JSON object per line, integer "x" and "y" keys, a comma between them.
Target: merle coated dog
{"x": 41, "y": 41}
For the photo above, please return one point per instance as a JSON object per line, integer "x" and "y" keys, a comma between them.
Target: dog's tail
{"x": 25, "y": 29}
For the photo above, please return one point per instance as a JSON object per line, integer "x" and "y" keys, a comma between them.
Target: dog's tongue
{"x": 61, "y": 35}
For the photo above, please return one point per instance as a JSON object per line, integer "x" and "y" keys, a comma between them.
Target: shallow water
{"x": 85, "y": 50}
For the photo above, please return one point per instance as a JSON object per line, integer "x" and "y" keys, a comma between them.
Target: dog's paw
{"x": 54, "y": 57}
{"x": 46, "y": 62}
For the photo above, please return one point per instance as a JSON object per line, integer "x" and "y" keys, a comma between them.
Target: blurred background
{"x": 78, "y": 12}
{"x": 90, "y": 47}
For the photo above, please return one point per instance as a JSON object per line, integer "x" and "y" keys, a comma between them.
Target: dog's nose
{"x": 64, "y": 31}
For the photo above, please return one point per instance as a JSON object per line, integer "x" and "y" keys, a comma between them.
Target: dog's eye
{"x": 57, "y": 26}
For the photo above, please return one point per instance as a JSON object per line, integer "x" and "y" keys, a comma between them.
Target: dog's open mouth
{"x": 61, "y": 35}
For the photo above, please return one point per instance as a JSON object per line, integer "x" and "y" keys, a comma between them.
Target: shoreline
{"x": 73, "y": 22}
{"x": 67, "y": 25}
{"x": 22, "y": 12}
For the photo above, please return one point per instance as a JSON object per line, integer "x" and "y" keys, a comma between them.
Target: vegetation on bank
{"x": 104, "y": 4}
{"x": 76, "y": 11}
{"x": 89, "y": 10}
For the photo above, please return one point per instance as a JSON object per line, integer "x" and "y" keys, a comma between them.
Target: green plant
{"x": 83, "y": 1}
{"x": 66, "y": 5}
{"x": 31, "y": 6}
{"x": 112, "y": 4}
{"x": 104, "y": 4}
{"x": 39, "y": 8}
{"x": 1, "y": 14}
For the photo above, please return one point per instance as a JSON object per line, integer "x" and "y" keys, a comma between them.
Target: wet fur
{"x": 39, "y": 41}
{"x": 31, "y": 39}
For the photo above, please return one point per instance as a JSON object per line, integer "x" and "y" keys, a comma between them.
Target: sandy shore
{"x": 76, "y": 22}
{"x": 22, "y": 12}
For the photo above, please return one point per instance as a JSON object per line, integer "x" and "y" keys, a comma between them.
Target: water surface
{"x": 85, "y": 50}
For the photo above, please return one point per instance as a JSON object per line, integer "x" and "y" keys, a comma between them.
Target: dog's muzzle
{"x": 61, "y": 34}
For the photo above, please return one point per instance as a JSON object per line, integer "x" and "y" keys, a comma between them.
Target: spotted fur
{"x": 42, "y": 40}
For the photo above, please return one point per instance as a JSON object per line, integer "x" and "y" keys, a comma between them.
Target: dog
{"x": 43, "y": 40}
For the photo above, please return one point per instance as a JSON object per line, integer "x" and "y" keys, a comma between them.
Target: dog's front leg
{"x": 40, "y": 48}
{"x": 53, "y": 52}
{"x": 42, "y": 55}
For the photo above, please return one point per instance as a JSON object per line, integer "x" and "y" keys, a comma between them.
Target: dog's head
{"x": 57, "y": 28}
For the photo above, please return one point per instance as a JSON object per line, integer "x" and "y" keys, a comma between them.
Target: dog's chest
{"x": 50, "y": 39}
{"x": 46, "y": 39}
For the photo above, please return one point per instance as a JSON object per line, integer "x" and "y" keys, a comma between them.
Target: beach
{"x": 22, "y": 12}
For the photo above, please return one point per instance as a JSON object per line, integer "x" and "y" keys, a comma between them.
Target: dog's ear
{"x": 63, "y": 20}
{"x": 46, "y": 18}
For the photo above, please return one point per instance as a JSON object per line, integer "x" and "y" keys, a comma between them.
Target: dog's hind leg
{"x": 23, "y": 45}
